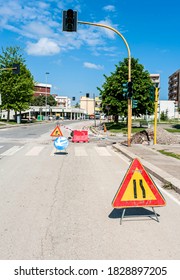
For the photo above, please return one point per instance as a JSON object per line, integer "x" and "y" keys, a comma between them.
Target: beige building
{"x": 90, "y": 105}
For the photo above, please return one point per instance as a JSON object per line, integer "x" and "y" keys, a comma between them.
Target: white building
{"x": 63, "y": 101}
{"x": 155, "y": 78}
{"x": 169, "y": 107}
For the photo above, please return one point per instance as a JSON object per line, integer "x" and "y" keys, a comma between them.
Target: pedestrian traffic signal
{"x": 152, "y": 93}
{"x": 16, "y": 68}
{"x": 70, "y": 20}
{"x": 134, "y": 104}
{"x": 130, "y": 89}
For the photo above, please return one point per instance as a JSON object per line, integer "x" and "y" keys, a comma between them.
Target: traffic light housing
{"x": 134, "y": 103}
{"x": 16, "y": 68}
{"x": 74, "y": 98}
{"x": 70, "y": 20}
{"x": 152, "y": 93}
{"x": 130, "y": 89}
{"x": 87, "y": 95}
{"x": 125, "y": 89}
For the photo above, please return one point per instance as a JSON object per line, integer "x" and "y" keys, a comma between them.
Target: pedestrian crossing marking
{"x": 12, "y": 151}
{"x": 80, "y": 151}
{"x": 102, "y": 151}
{"x": 35, "y": 151}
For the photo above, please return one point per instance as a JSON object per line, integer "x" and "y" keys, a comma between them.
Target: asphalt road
{"x": 57, "y": 205}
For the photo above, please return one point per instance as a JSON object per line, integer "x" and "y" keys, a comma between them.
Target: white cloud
{"x": 93, "y": 66}
{"x": 44, "y": 46}
{"x": 109, "y": 8}
{"x": 108, "y": 32}
{"x": 35, "y": 21}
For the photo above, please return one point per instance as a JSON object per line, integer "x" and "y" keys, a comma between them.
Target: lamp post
{"x": 47, "y": 73}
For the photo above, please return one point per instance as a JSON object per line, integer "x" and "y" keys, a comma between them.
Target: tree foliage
{"x": 41, "y": 100}
{"x": 16, "y": 89}
{"x": 114, "y": 101}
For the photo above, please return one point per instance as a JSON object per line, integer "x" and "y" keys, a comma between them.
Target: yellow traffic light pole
{"x": 155, "y": 115}
{"x": 129, "y": 72}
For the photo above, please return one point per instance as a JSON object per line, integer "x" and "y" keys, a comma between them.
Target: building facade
{"x": 42, "y": 89}
{"x": 62, "y": 101}
{"x": 90, "y": 105}
{"x": 155, "y": 78}
{"x": 174, "y": 87}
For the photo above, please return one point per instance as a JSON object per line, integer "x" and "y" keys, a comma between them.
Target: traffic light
{"x": 125, "y": 89}
{"x": 70, "y": 20}
{"x": 87, "y": 95}
{"x": 152, "y": 93}
{"x": 16, "y": 68}
{"x": 134, "y": 104}
{"x": 130, "y": 89}
{"x": 74, "y": 98}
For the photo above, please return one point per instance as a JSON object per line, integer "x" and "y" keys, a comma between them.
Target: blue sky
{"x": 76, "y": 61}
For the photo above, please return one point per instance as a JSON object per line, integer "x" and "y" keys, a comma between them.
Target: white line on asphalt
{"x": 124, "y": 158}
{"x": 80, "y": 151}
{"x": 169, "y": 195}
{"x": 102, "y": 151}
{"x": 12, "y": 151}
{"x": 35, "y": 151}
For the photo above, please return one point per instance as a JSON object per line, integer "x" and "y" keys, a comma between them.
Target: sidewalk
{"x": 165, "y": 168}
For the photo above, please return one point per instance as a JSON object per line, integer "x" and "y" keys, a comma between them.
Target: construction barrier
{"x": 80, "y": 136}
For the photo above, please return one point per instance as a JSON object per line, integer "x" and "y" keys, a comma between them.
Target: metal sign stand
{"x": 148, "y": 215}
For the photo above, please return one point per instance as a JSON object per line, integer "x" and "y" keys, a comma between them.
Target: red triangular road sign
{"x": 56, "y": 132}
{"x": 137, "y": 189}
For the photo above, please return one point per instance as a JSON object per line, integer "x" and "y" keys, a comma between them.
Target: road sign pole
{"x": 155, "y": 115}
{"x": 129, "y": 72}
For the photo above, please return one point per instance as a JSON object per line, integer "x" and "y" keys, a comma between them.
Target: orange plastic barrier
{"x": 80, "y": 136}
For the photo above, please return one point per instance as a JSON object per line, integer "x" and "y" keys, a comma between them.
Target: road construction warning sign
{"x": 56, "y": 132}
{"x": 137, "y": 189}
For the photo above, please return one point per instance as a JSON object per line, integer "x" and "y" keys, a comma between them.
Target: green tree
{"x": 41, "y": 100}
{"x": 16, "y": 89}
{"x": 114, "y": 101}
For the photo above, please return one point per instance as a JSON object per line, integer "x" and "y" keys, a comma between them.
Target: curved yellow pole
{"x": 129, "y": 72}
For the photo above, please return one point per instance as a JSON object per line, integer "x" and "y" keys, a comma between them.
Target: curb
{"x": 155, "y": 171}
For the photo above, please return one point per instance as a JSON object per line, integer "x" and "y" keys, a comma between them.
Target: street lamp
{"x": 47, "y": 73}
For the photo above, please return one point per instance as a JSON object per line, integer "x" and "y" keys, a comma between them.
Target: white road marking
{"x": 169, "y": 195}
{"x": 35, "y": 151}
{"x": 12, "y": 151}
{"x": 102, "y": 151}
{"x": 80, "y": 151}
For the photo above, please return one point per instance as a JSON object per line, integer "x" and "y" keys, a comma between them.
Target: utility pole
{"x": 155, "y": 114}
{"x": 129, "y": 73}
{"x": 47, "y": 73}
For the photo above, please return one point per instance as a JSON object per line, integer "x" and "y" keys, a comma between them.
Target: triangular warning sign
{"x": 137, "y": 189}
{"x": 56, "y": 132}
